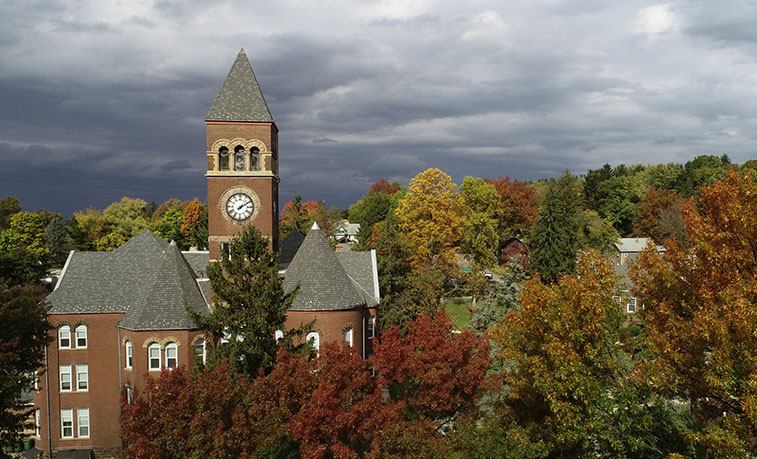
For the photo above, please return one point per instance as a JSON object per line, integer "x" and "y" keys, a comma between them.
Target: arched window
{"x": 279, "y": 335}
{"x": 129, "y": 353}
{"x": 347, "y": 333}
{"x": 200, "y": 352}
{"x": 315, "y": 338}
{"x": 64, "y": 337}
{"x": 254, "y": 159}
{"x": 81, "y": 337}
{"x": 223, "y": 159}
{"x": 239, "y": 158}
{"x": 153, "y": 354}
{"x": 172, "y": 356}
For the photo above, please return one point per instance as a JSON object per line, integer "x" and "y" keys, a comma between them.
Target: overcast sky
{"x": 104, "y": 99}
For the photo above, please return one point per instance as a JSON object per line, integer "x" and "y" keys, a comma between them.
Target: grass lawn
{"x": 460, "y": 313}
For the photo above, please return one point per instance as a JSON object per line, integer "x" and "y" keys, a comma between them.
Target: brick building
{"x": 120, "y": 315}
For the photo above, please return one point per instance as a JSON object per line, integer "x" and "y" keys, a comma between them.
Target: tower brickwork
{"x": 242, "y": 158}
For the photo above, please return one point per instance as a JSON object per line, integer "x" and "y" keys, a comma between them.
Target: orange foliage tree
{"x": 520, "y": 205}
{"x": 699, "y": 309}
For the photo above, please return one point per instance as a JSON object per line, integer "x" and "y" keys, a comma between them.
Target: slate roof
{"x": 199, "y": 261}
{"x": 240, "y": 98}
{"x": 635, "y": 244}
{"x": 147, "y": 279}
{"x": 289, "y": 246}
{"x": 324, "y": 284}
{"x": 359, "y": 268}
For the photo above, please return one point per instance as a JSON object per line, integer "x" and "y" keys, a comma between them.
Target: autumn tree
{"x": 126, "y": 217}
{"x": 659, "y": 216}
{"x": 297, "y": 216}
{"x": 431, "y": 220}
{"x": 250, "y": 305}
{"x": 23, "y": 338}
{"x": 570, "y": 390}
{"x": 169, "y": 227}
{"x": 87, "y": 227}
{"x": 520, "y": 206}
{"x": 556, "y": 235}
{"x": 194, "y": 224}
{"x": 481, "y": 205}
{"x": 699, "y": 310}
{"x": 382, "y": 185}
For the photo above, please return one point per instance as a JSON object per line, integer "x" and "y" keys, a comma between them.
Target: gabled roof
{"x": 324, "y": 284}
{"x": 240, "y": 98}
{"x": 147, "y": 279}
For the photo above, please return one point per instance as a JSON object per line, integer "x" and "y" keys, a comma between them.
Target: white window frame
{"x": 279, "y": 335}
{"x": 82, "y": 421}
{"x": 64, "y": 333}
{"x": 82, "y": 376}
{"x": 316, "y": 337}
{"x": 81, "y": 334}
{"x": 129, "y": 395}
{"x": 371, "y": 327}
{"x": 37, "y": 425}
{"x": 150, "y": 359}
{"x": 66, "y": 417}
{"x": 172, "y": 353}
{"x": 203, "y": 355}
{"x": 631, "y": 305}
{"x": 347, "y": 335}
{"x": 66, "y": 376}
{"x": 129, "y": 354}
{"x": 36, "y": 380}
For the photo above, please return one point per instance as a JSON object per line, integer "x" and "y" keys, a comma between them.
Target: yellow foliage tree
{"x": 431, "y": 220}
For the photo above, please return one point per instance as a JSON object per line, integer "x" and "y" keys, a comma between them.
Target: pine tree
{"x": 557, "y": 232}
{"x": 250, "y": 305}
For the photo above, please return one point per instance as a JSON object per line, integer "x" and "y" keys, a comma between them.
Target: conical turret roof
{"x": 324, "y": 285}
{"x": 240, "y": 98}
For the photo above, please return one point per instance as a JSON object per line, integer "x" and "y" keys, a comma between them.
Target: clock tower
{"x": 242, "y": 152}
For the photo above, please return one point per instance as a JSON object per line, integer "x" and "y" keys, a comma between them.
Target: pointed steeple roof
{"x": 324, "y": 285}
{"x": 240, "y": 98}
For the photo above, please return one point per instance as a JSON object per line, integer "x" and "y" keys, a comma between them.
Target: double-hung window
{"x": 82, "y": 422}
{"x": 153, "y": 353}
{"x": 371, "y": 327}
{"x": 129, "y": 354}
{"x": 631, "y": 306}
{"x": 64, "y": 337}
{"x": 67, "y": 423}
{"x": 172, "y": 356}
{"x": 347, "y": 333}
{"x": 81, "y": 337}
{"x": 200, "y": 353}
{"x": 82, "y": 377}
{"x": 65, "y": 378}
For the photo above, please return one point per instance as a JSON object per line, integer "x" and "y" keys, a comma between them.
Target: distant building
{"x": 120, "y": 315}
{"x": 627, "y": 252}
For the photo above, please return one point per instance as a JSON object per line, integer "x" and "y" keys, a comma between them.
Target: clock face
{"x": 239, "y": 206}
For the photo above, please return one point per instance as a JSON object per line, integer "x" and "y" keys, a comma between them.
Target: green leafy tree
{"x": 110, "y": 242}
{"x": 702, "y": 170}
{"x": 169, "y": 227}
{"x": 9, "y": 205}
{"x": 502, "y": 296}
{"x": 87, "y": 227}
{"x": 126, "y": 217}
{"x": 371, "y": 209}
{"x": 598, "y": 233}
{"x": 556, "y": 235}
{"x": 23, "y": 338}
{"x": 250, "y": 305}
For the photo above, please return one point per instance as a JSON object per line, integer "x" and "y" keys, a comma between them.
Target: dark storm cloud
{"x": 100, "y": 100}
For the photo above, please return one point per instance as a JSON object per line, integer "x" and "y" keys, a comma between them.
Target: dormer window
{"x": 223, "y": 159}
{"x": 254, "y": 159}
{"x": 239, "y": 158}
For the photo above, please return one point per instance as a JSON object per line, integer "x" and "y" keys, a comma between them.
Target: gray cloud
{"x": 101, "y": 100}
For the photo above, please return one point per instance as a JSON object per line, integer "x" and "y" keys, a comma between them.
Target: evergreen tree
{"x": 250, "y": 305}
{"x": 57, "y": 240}
{"x": 557, "y": 232}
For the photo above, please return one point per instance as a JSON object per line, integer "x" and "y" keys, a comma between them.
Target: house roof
{"x": 146, "y": 278}
{"x": 324, "y": 284}
{"x": 240, "y": 98}
{"x": 198, "y": 260}
{"x": 635, "y": 244}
